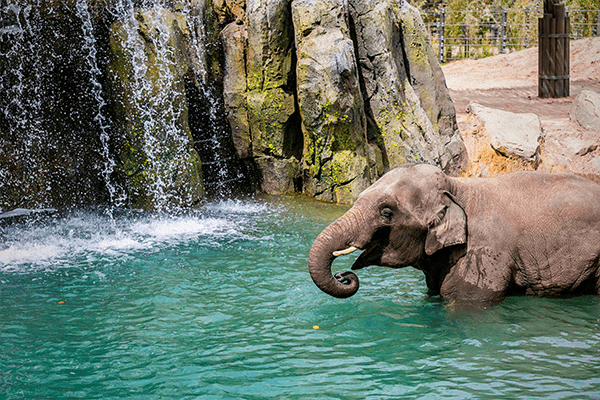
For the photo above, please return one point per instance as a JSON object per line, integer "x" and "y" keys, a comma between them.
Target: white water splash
{"x": 60, "y": 243}
{"x": 231, "y": 206}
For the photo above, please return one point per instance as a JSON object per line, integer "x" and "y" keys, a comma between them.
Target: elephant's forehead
{"x": 404, "y": 190}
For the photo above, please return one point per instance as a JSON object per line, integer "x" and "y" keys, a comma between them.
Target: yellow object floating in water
{"x": 315, "y": 327}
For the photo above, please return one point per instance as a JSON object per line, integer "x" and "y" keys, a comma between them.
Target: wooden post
{"x": 553, "y": 57}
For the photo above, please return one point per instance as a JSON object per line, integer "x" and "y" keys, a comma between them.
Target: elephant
{"x": 477, "y": 240}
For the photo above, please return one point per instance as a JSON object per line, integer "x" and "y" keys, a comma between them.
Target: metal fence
{"x": 476, "y": 34}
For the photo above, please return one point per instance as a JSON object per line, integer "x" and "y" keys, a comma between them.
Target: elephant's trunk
{"x": 335, "y": 238}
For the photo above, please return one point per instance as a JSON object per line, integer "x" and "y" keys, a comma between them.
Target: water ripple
{"x": 227, "y": 311}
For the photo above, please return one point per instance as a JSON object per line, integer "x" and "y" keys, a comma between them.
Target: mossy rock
{"x": 279, "y": 176}
{"x": 343, "y": 177}
{"x": 269, "y": 113}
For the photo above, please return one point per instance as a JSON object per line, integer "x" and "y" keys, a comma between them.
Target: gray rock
{"x": 234, "y": 38}
{"x": 511, "y": 134}
{"x": 269, "y": 53}
{"x": 278, "y": 175}
{"x": 362, "y": 93}
{"x": 330, "y": 101}
{"x": 405, "y": 91}
{"x": 25, "y": 212}
{"x": 586, "y": 110}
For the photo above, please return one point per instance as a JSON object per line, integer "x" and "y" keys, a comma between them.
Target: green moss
{"x": 268, "y": 113}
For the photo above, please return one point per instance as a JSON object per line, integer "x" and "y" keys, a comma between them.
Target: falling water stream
{"x": 54, "y": 103}
{"x": 20, "y": 102}
{"x": 116, "y": 193}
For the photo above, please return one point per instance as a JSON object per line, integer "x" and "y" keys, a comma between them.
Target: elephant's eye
{"x": 386, "y": 214}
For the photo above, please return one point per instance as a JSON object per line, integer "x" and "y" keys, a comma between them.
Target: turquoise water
{"x": 219, "y": 305}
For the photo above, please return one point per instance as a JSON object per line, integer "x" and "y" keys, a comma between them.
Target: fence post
{"x": 441, "y": 33}
{"x": 503, "y": 34}
{"x": 598, "y": 23}
{"x": 553, "y": 64}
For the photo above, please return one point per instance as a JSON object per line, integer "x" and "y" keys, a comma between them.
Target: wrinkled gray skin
{"x": 475, "y": 239}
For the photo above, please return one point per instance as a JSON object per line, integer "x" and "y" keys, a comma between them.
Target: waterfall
{"x": 113, "y": 104}
{"x": 224, "y": 174}
{"x": 50, "y": 148}
{"x": 21, "y": 123}
{"x": 156, "y": 113}
{"x": 116, "y": 193}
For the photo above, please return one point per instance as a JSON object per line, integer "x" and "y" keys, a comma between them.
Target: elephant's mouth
{"x": 370, "y": 256}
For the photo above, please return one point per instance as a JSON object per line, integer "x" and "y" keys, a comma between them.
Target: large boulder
{"x": 516, "y": 135}
{"x": 405, "y": 90}
{"x": 338, "y": 160}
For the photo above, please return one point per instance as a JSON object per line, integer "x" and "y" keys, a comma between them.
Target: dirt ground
{"x": 510, "y": 82}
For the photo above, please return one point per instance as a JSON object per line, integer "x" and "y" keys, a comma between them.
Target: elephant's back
{"x": 557, "y": 231}
{"x": 533, "y": 198}
{"x": 557, "y": 194}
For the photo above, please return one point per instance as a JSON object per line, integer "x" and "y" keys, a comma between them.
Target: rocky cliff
{"x": 181, "y": 99}
{"x": 325, "y": 95}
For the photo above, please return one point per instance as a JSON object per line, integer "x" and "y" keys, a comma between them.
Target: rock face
{"x": 319, "y": 97}
{"x": 336, "y": 93}
{"x": 337, "y": 158}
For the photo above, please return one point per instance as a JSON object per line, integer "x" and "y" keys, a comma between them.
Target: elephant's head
{"x": 408, "y": 214}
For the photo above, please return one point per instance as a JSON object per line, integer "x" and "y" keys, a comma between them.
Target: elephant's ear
{"x": 448, "y": 227}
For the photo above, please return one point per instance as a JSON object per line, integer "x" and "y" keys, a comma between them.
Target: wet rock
{"x": 24, "y": 214}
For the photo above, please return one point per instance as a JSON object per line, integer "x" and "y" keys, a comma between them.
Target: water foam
{"x": 59, "y": 243}
{"x": 238, "y": 207}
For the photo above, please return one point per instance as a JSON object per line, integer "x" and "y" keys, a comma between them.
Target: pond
{"x": 219, "y": 305}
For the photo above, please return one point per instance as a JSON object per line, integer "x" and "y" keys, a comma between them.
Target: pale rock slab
{"x": 512, "y": 134}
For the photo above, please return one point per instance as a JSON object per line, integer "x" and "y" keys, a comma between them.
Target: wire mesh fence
{"x": 481, "y": 33}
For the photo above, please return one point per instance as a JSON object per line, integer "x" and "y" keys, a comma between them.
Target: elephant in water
{"x": 475, "y": 239}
